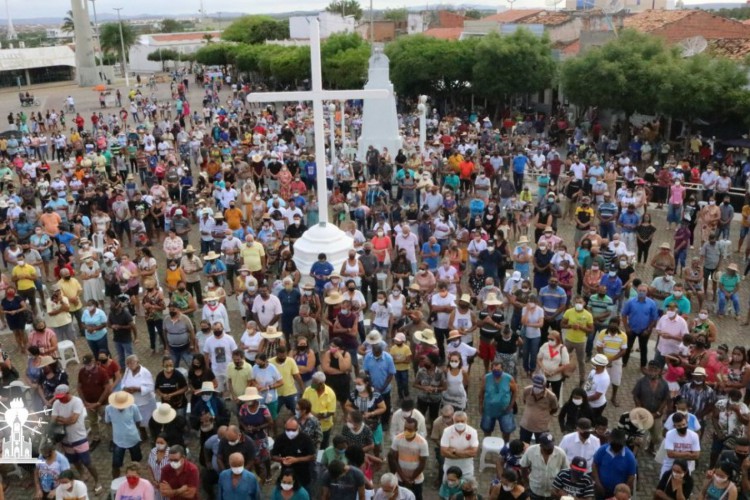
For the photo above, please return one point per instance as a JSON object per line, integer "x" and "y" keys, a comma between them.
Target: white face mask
{"x": 161, "y": 447}
{"x": 577, "y": 402}
{"x": 579, "y": 307}
{"x": 454, "y": 364}
{"x": 678, "y": 294}
{"x": 292, "y": 434}
{"x": 176, "y": 464}
{"x": 360, "y": 387}
{"x": 671, "y": 314}
{"x": 508, "y": 487}
{"x": 237, "y": 470}
{"x": 703, "y": 316}
{"x": 286, "y": 486}
{"x": 460, "y": 426}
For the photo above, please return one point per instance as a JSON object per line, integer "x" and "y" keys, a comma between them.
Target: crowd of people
{"x": 352, "y": 380}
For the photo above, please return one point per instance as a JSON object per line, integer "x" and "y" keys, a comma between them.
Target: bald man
{"x": 237, "y": 483}
{"x": 294, "y": 449}
{"x": 234, "y": 441}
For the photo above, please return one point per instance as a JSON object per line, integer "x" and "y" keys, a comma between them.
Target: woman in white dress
{"x": 457, "y": 380}
{"x": 91, "y": 278}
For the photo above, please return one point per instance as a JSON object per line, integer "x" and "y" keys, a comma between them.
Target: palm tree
{"x": 68, "y": 23}
{"x": 109, "y": 39}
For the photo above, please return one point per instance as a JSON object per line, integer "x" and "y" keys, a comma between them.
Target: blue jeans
{"x": 289, "y": 401}
{"x": 530, "y": 350}
{"x": 97, "y": 346}
{"x": 402, "y": 383}
{"x": 178, "y": 353}
{"x": 124, "y": 349}
{"x": 607, "y": 229}
{"x": 674, "y": 213}
{"x": 723, "y": 302}
{"x": 681, "y": 257}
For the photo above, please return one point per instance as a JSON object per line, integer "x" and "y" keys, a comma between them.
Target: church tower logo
{"x": 17, "y": 448}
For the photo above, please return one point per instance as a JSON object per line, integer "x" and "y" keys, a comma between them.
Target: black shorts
{"x": 133, "y": 291}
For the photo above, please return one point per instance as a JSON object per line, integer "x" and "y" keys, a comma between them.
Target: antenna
{"x": 511, "y": 2}
{"x": 692, "y": 46}
{"x": 12, "y": 35}
{"x": 552, "y": 4}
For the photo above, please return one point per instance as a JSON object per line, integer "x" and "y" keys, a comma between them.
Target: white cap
{"x": 178, "y": 211}
{"x": 109, "y": 256}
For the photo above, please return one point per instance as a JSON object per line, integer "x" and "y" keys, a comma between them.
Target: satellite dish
{"x": 552, "y": 3}
{"x": 692, "y": 46}
{"x": 613, "y": 7}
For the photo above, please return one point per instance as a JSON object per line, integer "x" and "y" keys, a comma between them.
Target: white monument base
{"x": 322, "y": 238}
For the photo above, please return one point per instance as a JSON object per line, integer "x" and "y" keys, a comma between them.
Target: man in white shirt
{"x": 407, "y": 410}
{"x": 266, "y": 308}
{"x": 459, "y": 445}
{"x": 218, "y": 351}
{"x": 409, "y": 242}
{"x": 596, "y": 384}
{"x": 681, "y": 442}
{"x": 581, "y": 443}
{"x": 670, "y": 328}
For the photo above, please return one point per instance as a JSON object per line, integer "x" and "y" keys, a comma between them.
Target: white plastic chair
{"x": 63, "y": 347}
{"x": 490, "y": 445}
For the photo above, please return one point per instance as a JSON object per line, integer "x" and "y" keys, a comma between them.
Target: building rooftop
{"x": 444, "y": 33}
{"x": 175, "y": 38}
{"x": 650, "y": 20}
{"x": 512, "y": 16}
{"x": 547, "y": 18}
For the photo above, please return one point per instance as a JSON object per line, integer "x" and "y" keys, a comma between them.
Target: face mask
{"x": 218, "y": 333}
{"x": 360, "y": 387}
{"x": 490, "y": 249}
{"x": 286, "y": 486}
{"x": 345, "y": 311}
{"x": 703, "y": 316}
{"x": 508, "y": 487}
{"x": 721, "y": 480}
{"x": 524, "y": 289}
{"x": 553, "y": 343}
{"x": 577, "y": 402}
{"x": 291, "y": 434}
{"x": 682, "y": 431}
{"x": 410, "y": 434}
{"x": 454, "y": 364}
{"x": 212, "y": 303}
{"x": 712, "y": 203}
{"x": 537, "y": 390}
{"x": 237, "y": 470}
{"x": 497, "y": 373}
{"x": 20, "y": 262}
{"x": 455, "y": 343}
{"x": 543, "y": 247}
{"x": 594, "y": 268}
{"x": 612, "y": 274}
{"x": 396, "y": 293}
{"x": 667, "y": 277}
{"x": 579, "y": 307}
{"x": 133, "y": 481}
{"x": 161, "y": 447}
{"x": 176, "y": 464}
{"x": 206, "y": 397}
{"x": 671, "y": 314}
{"x": 460, "y": 426}
{"x": 641, "y": 295}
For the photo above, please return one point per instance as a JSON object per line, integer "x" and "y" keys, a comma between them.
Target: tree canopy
{"x": 109, "y": 35}
{"x": 346, "y": 8}
{"x": 171, "y": 26}
{"x": 256, "y": 29}
{"x": 396, "y": 14}
{"x": 217, "y": 54}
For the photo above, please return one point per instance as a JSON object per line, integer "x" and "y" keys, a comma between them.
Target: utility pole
{"x": 372, "y": 25}
{"x": 100, "y": 61}
{"x": 122, "y": 47}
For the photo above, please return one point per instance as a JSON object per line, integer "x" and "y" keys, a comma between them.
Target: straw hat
{"x": 665, "y": 245}
{"x": 46, "y": 361}
{"x": 465, "y": 298}
{"x": 492, "y": 300}
{"x": 207, "y": 386}
{"x": 733, "y": 267}
{"x": 251, "y": 394}
{"x": 374, "y": 338}
{"x": 427, "y": 336}
{"x": 257, "y": 158}
{"x": 600, "y": 360}
{"x": 334, "y": 298}
{"x": 641, "y": 418}
{"x": 210, "y": 296}
{"x": 454, "y": 334}
{"x": 211, "y": 256}
{"x": 523, "y": 239}
{"x": 189, "y": 249}
{"x": 415, "y": 286}
{"x": 271, "y": 333}
{"x": 121, "y": 400}
{"x": 164, "y": 413}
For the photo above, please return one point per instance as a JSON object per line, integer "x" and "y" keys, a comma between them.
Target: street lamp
{"x": 332, "y": 118}
{"x": 422, "y": 109}
{"x": 122, "y": 47}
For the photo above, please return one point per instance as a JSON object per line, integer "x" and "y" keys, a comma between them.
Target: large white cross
{"x": 317, "y": 95}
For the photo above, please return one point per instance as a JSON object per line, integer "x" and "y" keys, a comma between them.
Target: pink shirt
{"x": 677, "y": 327}
{"x": 144, "y": 491}
{"x": 677, "y": 194}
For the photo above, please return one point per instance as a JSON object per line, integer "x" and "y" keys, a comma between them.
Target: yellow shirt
{"x": 288, "y": 369}
{"x": 251, "y": 256}
{"x": 400, "y": 354}
{"x": 72, "y": 290}
{"x": 322, "y": 403}
{"x": 577, "y": 318}
{"x": 240, "y": 377}
{"x": 25, "y": 275}
{"x": 746, "y": 216}
{"x": 611, "y": 344}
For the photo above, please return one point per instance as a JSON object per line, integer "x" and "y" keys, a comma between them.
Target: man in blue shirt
{"x": 381, "y": 369}
{"x": 607, "y": 214}
{"x": 638, "y": 318}
{"x": 613, "y": 464}
{"x": 321, "y": 270}
{"x": 613, "y": 284}
{"x": 431, "y": 253}
{"x": 628, "y": 222}
{"x": 247, "y": 485}
{"x": 519, "y": 167}
{"x": 553, "y": 300}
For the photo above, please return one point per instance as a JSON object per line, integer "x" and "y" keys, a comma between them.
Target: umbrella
{"x": 11, "y": 133}
{"x": 100, "y": 88}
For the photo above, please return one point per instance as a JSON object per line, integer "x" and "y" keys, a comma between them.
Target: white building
{"x": 57, "y": 33}
{"x": 330, "y": 24}
{"x": 183, "y": 43}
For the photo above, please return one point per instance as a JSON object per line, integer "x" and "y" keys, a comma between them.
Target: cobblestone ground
{"x": 730, "y": 333}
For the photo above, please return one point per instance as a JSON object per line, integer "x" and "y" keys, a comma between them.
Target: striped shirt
{"x": 583, "y": 488}
{"x": 611, "y": 344}
{"x": 410, "y": 453}
{"x": 599, "y": 305}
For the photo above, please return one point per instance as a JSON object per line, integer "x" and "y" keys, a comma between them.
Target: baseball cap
{"x": 538, "y": 380}
{"x": 579, "y": 464}
{"x": 61, "y": 390}
{"x": 545, "y": 439}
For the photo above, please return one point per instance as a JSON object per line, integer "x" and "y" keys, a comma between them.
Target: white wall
{"x": 330, "y": 24}
{"x": 138, "y": 60}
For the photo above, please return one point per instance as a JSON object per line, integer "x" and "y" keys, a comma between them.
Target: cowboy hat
{"x": 374, "y": 338}
{"x": 207, "y": 386}
{"x": 210, "y": 296}
{"x": 426, "y": 336}
{"x": 641, "y": 418}
{"x": 600, "y": 360}
{"x": 251, "y": 394}
{"x": 523, "y": 239}
{"x": 334, "y": 298}
{"x": 454, "y": 334}
{"x": 465, "y": 298}
{"x": 492, "y": 300}
{"x": 121, "y": 400}
{"x": 164, "y": 414}
{"x": 257, "y": 158}
{"x": 211, "y": 256}
{"x": 271, "y": 333}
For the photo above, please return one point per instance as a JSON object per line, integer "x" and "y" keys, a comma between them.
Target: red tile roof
{"x": 547, "y": 18}
{"x": 184, "y": 37}
{"x": 650, "y": 20}
{"x": 512, "y": 16}
{"x": 444, "y": 33}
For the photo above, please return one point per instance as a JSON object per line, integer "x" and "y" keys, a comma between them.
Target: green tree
{"x": 346, "y": 8}
{"x": 256, "y": 29}
{"x": 525, "y": 59}
{"x": 109, "y": 35}
{"x": 341, "y": 42}
{"x": 701, "y": 86}
{"x": 68, "y": 24}
{"x": 171, "y": 26}
{"x": 473, "y": 14}
{"x": 290, "y": 66}
{"x": 217, "y": 54}
{"x": 396, "y": 15}
{"x": 620, "y": 75}
{"x": 347, "y": 69}
{"x": 163, "y": 56}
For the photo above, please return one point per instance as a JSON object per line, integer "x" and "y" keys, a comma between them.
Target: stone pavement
{"x": 87, "y": 100}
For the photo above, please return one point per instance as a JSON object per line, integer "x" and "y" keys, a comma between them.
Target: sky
{"x": 20, "y": 8}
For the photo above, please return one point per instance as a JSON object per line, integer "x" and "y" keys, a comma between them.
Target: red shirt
{"x": 186, "y": 476}
{"x": 91, "y": 383}
{"x": 112, "y": 369}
